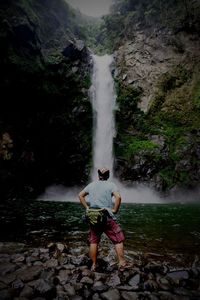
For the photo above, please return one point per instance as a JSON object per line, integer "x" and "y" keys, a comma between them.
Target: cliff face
{"x": 44, "y": 70}
{"x": 158, "y": 114}
{"x": 142, "y": 60}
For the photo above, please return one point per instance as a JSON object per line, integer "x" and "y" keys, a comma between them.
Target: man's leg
{"x": 93, "y": 255}
{"x": 119, "y": 248}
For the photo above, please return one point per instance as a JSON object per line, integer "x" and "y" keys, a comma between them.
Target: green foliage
{"x": 135, "y": 146}
{"x": 87, "y": 81}
{"x": 127, "y": 14}
{"x": 196, "y": 92}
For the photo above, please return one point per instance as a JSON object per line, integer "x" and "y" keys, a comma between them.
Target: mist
{"x": 94, "y": 8}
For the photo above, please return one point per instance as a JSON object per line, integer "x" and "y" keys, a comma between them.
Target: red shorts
{"x": 111, "y": 229}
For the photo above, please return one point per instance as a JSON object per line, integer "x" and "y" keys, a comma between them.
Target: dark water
{"x": 158, "y": 228}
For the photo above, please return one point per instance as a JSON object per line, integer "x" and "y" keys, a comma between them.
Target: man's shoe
{"x": 126, "y": 266}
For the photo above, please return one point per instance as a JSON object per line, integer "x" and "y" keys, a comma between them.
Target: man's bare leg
{"x": 93, "y": 255}
{"x": 119, "y": 248}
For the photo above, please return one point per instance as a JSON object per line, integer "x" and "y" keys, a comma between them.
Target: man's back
{"x": 100, "y": 193}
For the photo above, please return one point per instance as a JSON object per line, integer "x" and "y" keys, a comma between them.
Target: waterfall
{"x": 103, "y": 102}
{"x": 103, "y": 98}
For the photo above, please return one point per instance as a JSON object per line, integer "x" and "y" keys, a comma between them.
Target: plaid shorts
{"x": 112, "y": 229}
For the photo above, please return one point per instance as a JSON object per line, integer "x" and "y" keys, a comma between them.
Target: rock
{"x": 27, "y": 292}
{"x": 86, "y": 280}
{"x": 150, "y": 285}
{"x": 74, "y": 51}
{"x": 63, "y": 276}
{"x": 17, "y": 284}
{"x": 70, "y": 290}
{"x": 126, "y": 287}
{"x": 6, "y": 268}
{"x": 44, "y": 288}
{"x": 51, "y": 263}
{"x": 129, "y": 295}
{"x": 177, "y": 276}
{"x": 29, "y": 273}
{"x": 124, "y": 77}
{"x": 134, "y": 281}
{"x": 2, "y": 286}
{"x": 96, "y": 297}
{"x": 6, "y": 295}
{"x": 10, "y": 248}
{"x": 5, "y": 258}
{"x": 163, "y": 284}
{"x": 7, "y": 279}
{"x": 17, "y": 258}
{"x": 111, "y": 294}
{"x": 113, "y": 280}
{"x": 99, "y": 287}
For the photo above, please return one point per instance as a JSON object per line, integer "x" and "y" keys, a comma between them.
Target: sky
{"x": 94, "y": 8}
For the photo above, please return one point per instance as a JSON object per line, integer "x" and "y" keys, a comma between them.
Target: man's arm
{"x": 117, "y": 203}
{"x": 82, "y": 196}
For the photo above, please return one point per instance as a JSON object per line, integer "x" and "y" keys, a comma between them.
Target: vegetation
{"x": 128, "y": 15}
{"x": 44, "y": 76}
{"x": 163, "y": 144}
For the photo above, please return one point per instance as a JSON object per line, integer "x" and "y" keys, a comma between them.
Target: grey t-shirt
{"x": 100, "y": 193}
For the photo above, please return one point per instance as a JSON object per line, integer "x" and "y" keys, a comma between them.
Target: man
{"x": 100, "y": 195}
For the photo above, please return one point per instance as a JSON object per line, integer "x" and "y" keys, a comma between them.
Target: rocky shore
{"x": 59, "y": 271}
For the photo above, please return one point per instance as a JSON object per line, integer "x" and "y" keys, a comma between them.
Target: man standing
{"x": 100, "y": 194}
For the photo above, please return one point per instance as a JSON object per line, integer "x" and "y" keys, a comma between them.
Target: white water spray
{"x": 103, "y": 100}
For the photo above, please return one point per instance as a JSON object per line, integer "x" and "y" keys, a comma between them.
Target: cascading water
{"x": 104, "y": 104}
{"x": 104, "y": 101}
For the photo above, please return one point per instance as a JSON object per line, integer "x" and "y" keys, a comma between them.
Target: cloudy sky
{"x": 93, "y": 8}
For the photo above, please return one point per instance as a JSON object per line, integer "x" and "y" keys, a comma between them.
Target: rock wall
{"x": 142, "y": 60}
{"x": 46, "y": 111}
{"x": 157, "y": 79}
